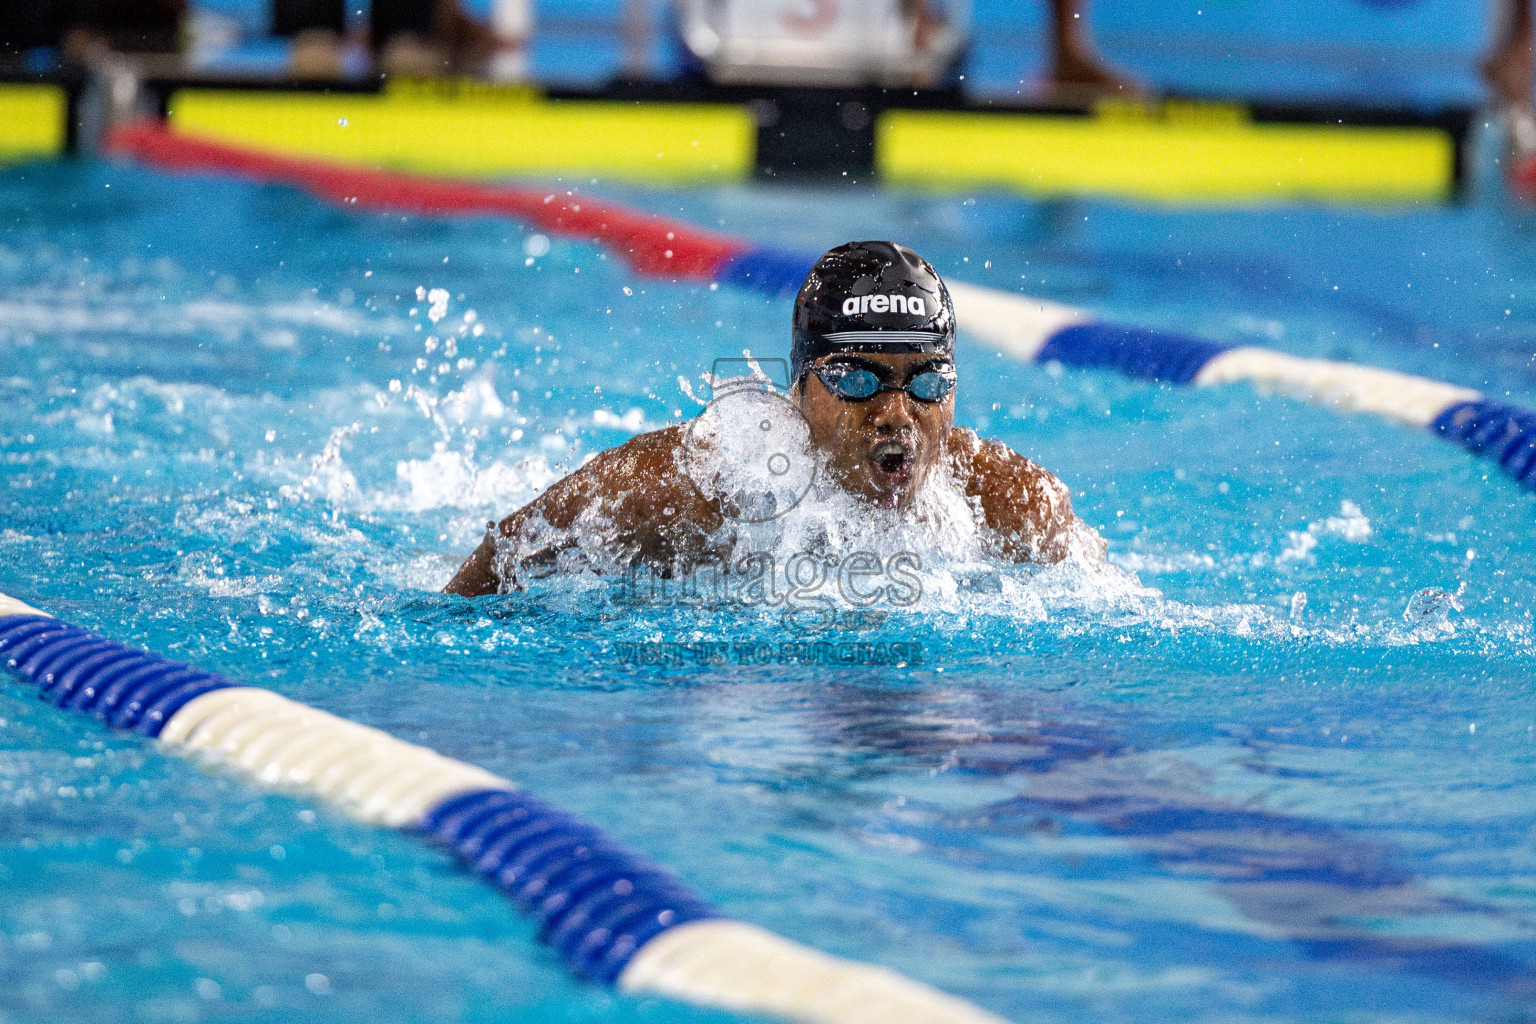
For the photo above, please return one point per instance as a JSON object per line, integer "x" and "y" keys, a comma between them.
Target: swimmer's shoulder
{"x": 643, "y": 484}
{"x": 637, "y": 490}
{"x": 653, "y": 452}
{"x": 986, "y": 463}
{"x": 645, "y": 465}
{"x": 1027, "y": 509}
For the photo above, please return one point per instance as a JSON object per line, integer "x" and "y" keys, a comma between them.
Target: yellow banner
{"x": 1200, "y": 153}
{"x": 33, "y": 121}
{"x": 437, "y": 128}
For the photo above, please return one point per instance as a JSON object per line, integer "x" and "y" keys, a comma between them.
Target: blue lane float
{"x": 768, "y": 270}
{"x": 1132, "y": 351}
{"x": 614, "y": 917}
{"x": 80, "y": 671}
{"x": 1505, "y": 433}
{"x": 595, "y": 902}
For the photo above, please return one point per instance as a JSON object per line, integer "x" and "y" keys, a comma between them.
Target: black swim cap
{"x": 871, "y": 297}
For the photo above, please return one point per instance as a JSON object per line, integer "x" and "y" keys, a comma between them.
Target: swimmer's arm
{"x": 1027, "y": 510}
{"x": 557, "y": 506}
{"x": 637, "y": 491}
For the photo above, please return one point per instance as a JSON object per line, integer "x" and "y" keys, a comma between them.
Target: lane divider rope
{"x": 1029, "y": 329}
{"x": 614, "y": 917}
{"x": 651, "y": 245}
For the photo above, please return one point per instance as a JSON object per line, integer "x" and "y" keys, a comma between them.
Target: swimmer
{"x": 874, "y": 377}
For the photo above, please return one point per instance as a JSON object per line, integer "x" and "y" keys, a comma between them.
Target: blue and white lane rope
{"x": 1038, "y": 331}
{"x": 614, "y": 917}
{"x": 1034, "y": 330}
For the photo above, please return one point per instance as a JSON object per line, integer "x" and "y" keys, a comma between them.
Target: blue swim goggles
{"x": 856, "y": 384}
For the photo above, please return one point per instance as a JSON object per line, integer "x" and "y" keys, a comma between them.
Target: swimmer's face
{"x": 883, "y": 449}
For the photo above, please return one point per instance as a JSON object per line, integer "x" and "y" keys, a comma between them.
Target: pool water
{"x": 1272, "y": 763}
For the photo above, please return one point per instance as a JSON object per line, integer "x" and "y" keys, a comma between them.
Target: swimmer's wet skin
{"x": 874, "y": 378}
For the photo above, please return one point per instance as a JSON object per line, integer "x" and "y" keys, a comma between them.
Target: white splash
{"x": 1428, "y": 613}
{"x": 633, "y": 421}
{"x": 1349, "y": 525}
{"x": 328, "y": 479}
{"x": 451, "y": 479}
{"x": 438, "y": 300}
{"x": 793, "y": 541}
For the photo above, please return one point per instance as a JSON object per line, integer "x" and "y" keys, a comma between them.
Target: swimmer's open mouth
{"x": 893, "y": 460}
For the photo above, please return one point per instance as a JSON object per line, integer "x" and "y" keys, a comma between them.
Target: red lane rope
{"x": 1522, "y": 178}
{"x": 650, "y": 244}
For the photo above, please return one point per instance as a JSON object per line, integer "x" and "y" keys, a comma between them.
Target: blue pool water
{"x": 1175, "y": 789}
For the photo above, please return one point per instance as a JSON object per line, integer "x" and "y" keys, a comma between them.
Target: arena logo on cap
{"x": 856, "y": 304}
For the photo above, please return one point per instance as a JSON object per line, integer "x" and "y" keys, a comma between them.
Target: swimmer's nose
{"x": 894, "y": 410}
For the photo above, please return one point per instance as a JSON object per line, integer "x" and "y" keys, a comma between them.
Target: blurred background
{"x": 819, "y": 81}
{"x": 1422, "y": 53}
{"x": 1419, "y": 53}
